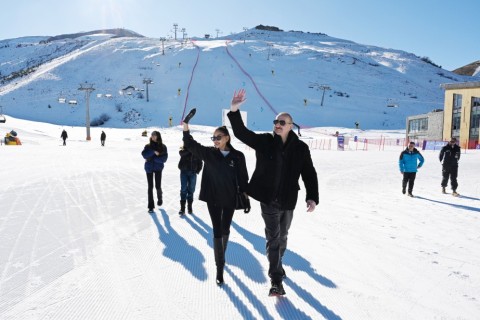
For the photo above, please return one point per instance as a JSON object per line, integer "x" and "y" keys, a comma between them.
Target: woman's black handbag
{"x": 242, "y": 202}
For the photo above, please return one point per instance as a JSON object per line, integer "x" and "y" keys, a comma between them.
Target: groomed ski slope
{"x": 76, "y": 241}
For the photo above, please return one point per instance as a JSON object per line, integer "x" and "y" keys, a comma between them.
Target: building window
{"x": 475, "y": 118}
{"x": 416, "y": 125}
{"x": 457, "y": 101}
{"x": 456, "y": 115}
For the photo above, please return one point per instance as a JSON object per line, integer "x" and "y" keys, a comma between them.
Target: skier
{"x": 103, "y": 136}
{"x": 155, "y": 155}
{"x": 189, "y": 167}
{"x": 281, "y": 159}
{"x": 64, "y": 136}
{"x": 450, "y": 154}
{"x": 410, "y": 160}
{"x": 225, "y": 169}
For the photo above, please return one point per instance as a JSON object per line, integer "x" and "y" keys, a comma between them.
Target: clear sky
{"x": 444, "y": 31}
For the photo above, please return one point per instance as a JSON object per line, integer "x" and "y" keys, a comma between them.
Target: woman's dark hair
{"x": 159, "y": 137}
{"x": 225, "y": 132}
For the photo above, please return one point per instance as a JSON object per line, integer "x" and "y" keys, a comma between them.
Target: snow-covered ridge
{"x": 320, "y": 80}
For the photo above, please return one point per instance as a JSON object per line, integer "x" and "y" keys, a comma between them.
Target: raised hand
{"x": 237, "y": 100}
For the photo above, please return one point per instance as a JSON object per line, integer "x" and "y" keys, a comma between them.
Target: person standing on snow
{"x": 410, "y": 160}
{"x": 450, "y": 154}
{"x": 64, "y": 136}
{"x": 103, "y": 137}
{"x": 281, "y": 159}
{"x": 224, "y": 169}
{"x": 189, "y": 167}
{"x": 155, "y": 155}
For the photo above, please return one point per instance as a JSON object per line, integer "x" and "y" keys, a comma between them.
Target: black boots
{"x": 182, "y": 207}
{"x": 225, "y": 242}
{"x": 219, "y": 252}
{"x": 190, "y": 209}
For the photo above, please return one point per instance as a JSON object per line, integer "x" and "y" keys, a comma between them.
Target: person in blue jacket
{"x": 410, "y": 160}
{"x": 155, "y": 155}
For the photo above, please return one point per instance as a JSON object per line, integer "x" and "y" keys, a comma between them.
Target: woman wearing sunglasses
{"x": 224, "y": 168}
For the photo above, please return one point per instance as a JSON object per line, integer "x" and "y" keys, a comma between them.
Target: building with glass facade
{"x": 462, "y": 113}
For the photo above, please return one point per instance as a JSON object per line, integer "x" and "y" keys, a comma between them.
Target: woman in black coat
{"x": 224, "y": 169}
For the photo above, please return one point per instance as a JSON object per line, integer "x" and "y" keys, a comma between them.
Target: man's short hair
{"x": 286, "y": 114}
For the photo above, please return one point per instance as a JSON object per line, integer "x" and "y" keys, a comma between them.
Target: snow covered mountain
{"x": 320, "y": 80}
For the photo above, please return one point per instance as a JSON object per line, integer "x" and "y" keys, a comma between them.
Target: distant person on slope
{"x": 103, "y": 137}
{"x": 281, "y": 159}
{"x": 64, "y": 136}
{"x": 224, "y": 169}
{"x": 450, "y": 154}
{"x": 155, "y": 155}
{"x": 410, "y": 160}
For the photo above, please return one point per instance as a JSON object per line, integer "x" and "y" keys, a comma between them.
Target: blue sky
{"x": 441, "y": 30}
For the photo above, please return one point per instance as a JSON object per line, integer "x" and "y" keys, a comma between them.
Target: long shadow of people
{"x": 292, "y": 259}
{"x": 459, "y": 206}
{"x": 236, "y": 255}
{"x": 296, "y": 262}
{"x": 179, "y": 250}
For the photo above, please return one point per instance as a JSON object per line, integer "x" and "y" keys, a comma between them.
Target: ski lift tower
{"x": 87, "y": 90}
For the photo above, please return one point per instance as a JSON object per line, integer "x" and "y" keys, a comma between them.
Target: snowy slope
{"x": 76, "y": 241}
{"x": 280, "y": 70}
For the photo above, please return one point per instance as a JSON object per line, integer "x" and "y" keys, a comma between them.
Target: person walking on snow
{"x": 189, "y": 167}
{"x": 281, "y": 159}
{"x": 224, "y": 169}
{"x": 410, "y": 160}
{"x": 450, "y": 154}
{"x": 64, "y": 136}
{"x": 155, "y": 155}
{"x": 103, "y": 137}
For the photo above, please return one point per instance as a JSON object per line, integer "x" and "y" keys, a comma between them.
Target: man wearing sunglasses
{"x": 450, "y": 155}
{"x": 281, "y": 159}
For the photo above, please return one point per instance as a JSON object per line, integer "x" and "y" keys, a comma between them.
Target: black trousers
{"x": 408, "y": 178}
{"x": 450, "y": 172}
{"x": 221, "y": 219}
{"x": 277, "y": 224}
{"x": 151, "y": 177}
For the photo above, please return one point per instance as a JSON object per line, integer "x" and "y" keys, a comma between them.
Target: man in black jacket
{"x": 450, "y": 154}
{"x": 281, "y": 159}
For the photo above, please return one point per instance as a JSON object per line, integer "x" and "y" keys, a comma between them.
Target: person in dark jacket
{"x": 155, "y": 155}
{"x": 224, "y": 170}
{"x": 450, "y": 154}
{"x": 64, "y": 136}
{"x": 281, "y": 159}
{"x": 103, "y": 137}
{"x": 410, "y": 160}
{"x": 189, "y": 167}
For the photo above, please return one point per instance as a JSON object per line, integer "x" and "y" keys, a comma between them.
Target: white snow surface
{"x": 76, "y": 241}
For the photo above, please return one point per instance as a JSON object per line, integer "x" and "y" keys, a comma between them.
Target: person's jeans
{"x": 277, "y": 224}
{"x": 188, "y": 180}
{"x": 157, "y": 176}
